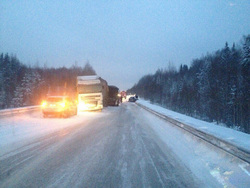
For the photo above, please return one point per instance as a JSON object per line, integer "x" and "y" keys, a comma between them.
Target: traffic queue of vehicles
{"x": 92, "y": 93}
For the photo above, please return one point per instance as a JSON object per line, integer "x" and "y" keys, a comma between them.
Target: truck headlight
{"x": 62, "y": 104}
{"x": 81, "y": 105}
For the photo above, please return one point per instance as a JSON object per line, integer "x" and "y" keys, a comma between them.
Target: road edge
{"x": 230, "y": 148}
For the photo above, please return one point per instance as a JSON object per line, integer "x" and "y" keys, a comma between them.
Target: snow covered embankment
{"x": 232, "y": 141}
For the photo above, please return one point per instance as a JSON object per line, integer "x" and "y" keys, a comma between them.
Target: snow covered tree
{"x": 245, "y": 84}
{"x": 216, "y": 87}
{"x": 30, "y": 85}
{"x": 28, "y": 91}
{"x": 18, "y": 98}
{"x": 2, "y": 91}
{"x": 204, "y": 87}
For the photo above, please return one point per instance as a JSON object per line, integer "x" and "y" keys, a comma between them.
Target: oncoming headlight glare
{"x": 63, "y": 104}
{"x": 44, "y": 103}
{"x": 82, "y": 106}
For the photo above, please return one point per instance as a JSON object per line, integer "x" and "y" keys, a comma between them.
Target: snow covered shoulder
{"x": 237, "y": 138}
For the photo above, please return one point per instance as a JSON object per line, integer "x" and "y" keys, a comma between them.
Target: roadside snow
{"x": 18, "y": 130}
{"x": 237, "y": 138}
{"x": 203, "y": 160}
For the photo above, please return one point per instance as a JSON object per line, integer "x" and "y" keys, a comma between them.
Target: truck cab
{"x": 92, "y": 93}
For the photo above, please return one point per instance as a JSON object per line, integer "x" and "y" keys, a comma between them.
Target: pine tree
{"x": 215, "y": 87}
{"x": 204, "y": 87}
{"x": 18, "y": 99}
{"x": 2, "y": 91}
{"x": 245, "y": 86}
{"x": 31, "y": 85}
{"x": 88, "y": 70}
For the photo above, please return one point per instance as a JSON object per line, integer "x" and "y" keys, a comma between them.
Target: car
{"x": 132, "y": 99}
{"x": 62, "y": 106}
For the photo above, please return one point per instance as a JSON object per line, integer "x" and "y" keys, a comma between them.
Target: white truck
{"x": 92, "y": 93}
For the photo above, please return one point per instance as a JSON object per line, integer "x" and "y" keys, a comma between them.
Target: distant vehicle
{"x": 136, "y": 97}
{"x": 132, "y": 99}
{"x": 113, "y": 96}
{"x": 123, "y": 94}
{"x": 92, "y": 93}
{"x": 62, "y": 106}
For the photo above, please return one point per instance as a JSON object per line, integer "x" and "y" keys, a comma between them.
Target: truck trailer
{"x": 113, "y": 97}
{"x": 92, "y": 93}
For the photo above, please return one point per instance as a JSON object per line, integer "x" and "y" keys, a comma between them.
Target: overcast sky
{"x": 122, "y": 40}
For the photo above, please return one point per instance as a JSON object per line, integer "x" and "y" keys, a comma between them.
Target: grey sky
{"x": 122, "y": 40}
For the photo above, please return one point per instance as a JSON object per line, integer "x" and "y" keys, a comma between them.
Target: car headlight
{"x": 44, "y": 103}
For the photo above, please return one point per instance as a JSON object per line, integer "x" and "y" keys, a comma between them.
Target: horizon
{"x": 122, "y": 41}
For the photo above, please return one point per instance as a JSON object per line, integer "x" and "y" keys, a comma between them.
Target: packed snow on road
{"x": 122, "y": 146}
{"x": 20, "y": 129}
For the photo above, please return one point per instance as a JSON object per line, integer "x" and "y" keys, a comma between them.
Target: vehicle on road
{"x": 62, "y": 106}
{"x": 123, "y": 95}
{"x": 132, "y": 99}
{"x": 113, "y": 97}
{"x": 92, "y": 92}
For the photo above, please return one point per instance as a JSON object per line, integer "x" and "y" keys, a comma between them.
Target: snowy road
{"x": 120, "y": 147}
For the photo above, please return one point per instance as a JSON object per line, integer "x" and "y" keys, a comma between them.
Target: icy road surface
{"x": 120, "y": 147}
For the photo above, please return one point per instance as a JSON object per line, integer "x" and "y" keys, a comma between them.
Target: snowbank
{"x": 239, "y": 139}
{"x": 20, "y": 129}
